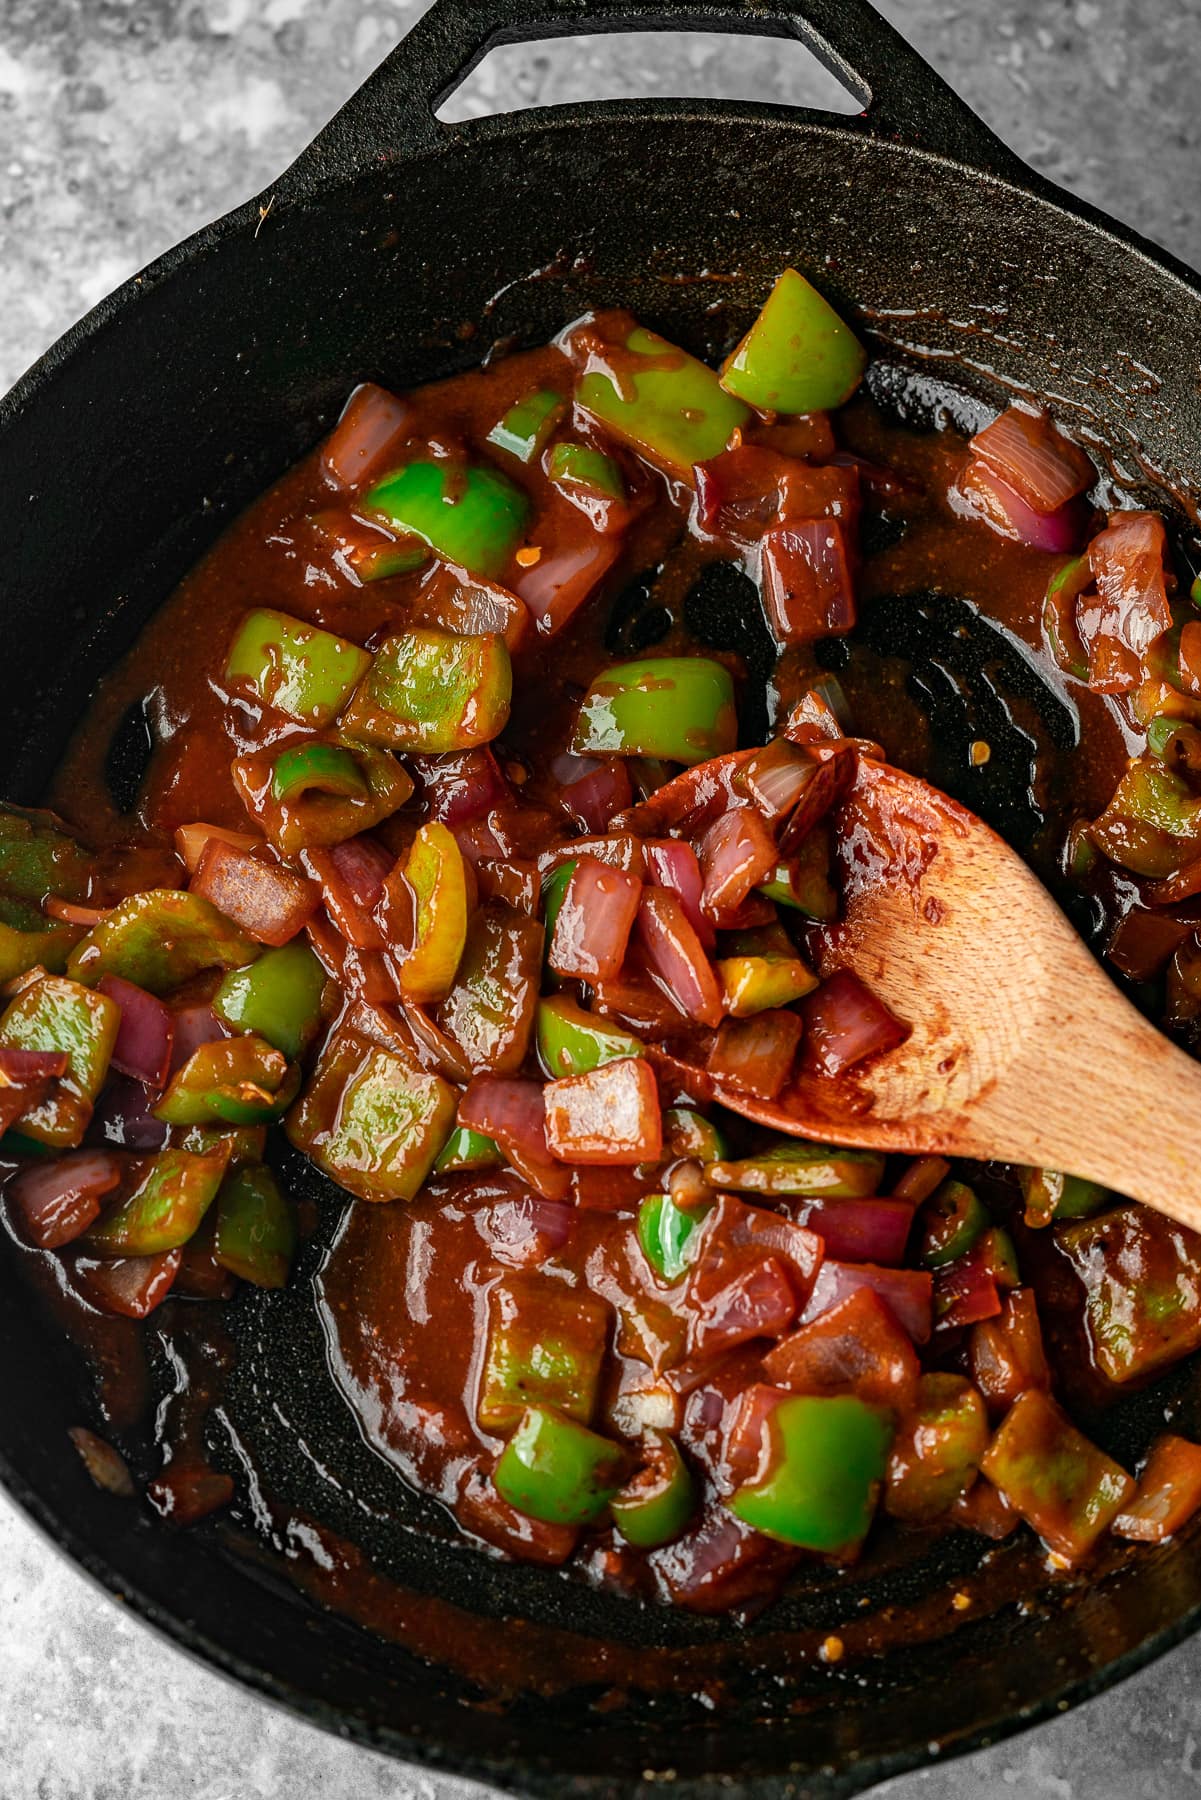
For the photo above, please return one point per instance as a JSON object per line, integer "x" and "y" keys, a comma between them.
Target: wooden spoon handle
{"x": 1120, "y": 1105}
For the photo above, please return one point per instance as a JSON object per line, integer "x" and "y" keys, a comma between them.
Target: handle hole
{"x": 621, "y": 65}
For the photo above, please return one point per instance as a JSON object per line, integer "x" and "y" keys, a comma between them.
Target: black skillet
{"x": 122, "y": 454}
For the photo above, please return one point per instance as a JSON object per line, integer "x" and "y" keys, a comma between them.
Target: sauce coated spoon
{"x": 1021, "y": 1048}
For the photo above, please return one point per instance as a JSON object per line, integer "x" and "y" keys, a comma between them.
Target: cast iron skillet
{"x": 125, "y": 450}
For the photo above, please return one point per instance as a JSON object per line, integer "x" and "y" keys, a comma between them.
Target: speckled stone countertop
{"x": 124, "y": 124}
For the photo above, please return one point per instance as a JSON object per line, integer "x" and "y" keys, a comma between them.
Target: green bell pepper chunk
{"x": 657, "y": 1504}
{"x": 689, "y": 1133}
{"x": 165, "y": 1208}
{"x": 665, "y": 1232}
{"x": 240, "y": 1143}
{"x": 792, "y": 1167}
{"x": 553, "y": 890}
{"x": 573, "y": 1042}
{"x": 546, "y": 1344}
{"x": 1194, "y": 592}
{"x": 294, "y": 668}
{"x": 1059, "y": 616}
{"x": 159, "y": 940}
{"x": 57, "y": 1014}
{"x": 937, "y": 1450}
{"x": 465, "y": 1151}
{"x": 278, "y": 997}
{"x": 798, "y": 356}
{"x": 472, "y": 516}
{"x": 317, "y": 768}
{"x": 437, "y": 878}
{"x": 662, "y": 402}
{"x": 315, "y": 816}
{"x": 241, "y": 1080}
{"x": 803, "y": 882}
{"x": 761, "y": 969}
{"x": 555, "y": 1470}
{"x": 29, "y": 940}
{"x": 579, "y": 466}
{"x": 372, "y": 1120}
{"x": 525, "y": 428}
{"x": 255, "y": 1236}
{"x": 828, "y": 1460}
{"x": 37, "y": 859}
{"x": 431, "y": 692}
{"x": 678, "y": 707}
{"x": 953, "y": 1218}
{"x": 1152, "y": 825}
{"x": 1051, "y": 1195}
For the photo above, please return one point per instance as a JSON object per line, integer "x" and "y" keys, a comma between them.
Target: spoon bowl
{"x": 1021, "y": 1049}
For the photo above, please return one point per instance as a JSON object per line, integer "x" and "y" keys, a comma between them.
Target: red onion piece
{"x": 758, "y": 1301}
{"x": 609, "y": 1115}
{"x": 557, "y": 585}
{"x": 756, "y": 1055}
{"x": 1034, "y": 459}
{"x": 352, "y": 877}
{"x": 690, "y": 801}
{"x": 460, "y": 787}
{"x": 857, "y": 1347}
{"x": 269, "y": 902}
{"x": 594, "y": 921}
{"x": 874, "y": 1231}
{"x": 737, "y": 854}
{"x": 526, "y": 1231}
{"x": 966, "y": 1293}
{"x": 131, "y": 1286}
{"x": 720, "y": 1563}
{"x": 775, "y": 777}
{"x": 909, "y": 1293}
{"x": 827, "y": 787}
{"x": 194, "y": 1025}
{"x": 743, "y": 491}
{"x": 146, "y": 1033}
{"x": 369, "y": 435}
{"x": 122, "y": 1115}
{"x": 468, "y": 606}
{"x": 672, "y": 864}
{"x": 191, "y": 841}
{"x": 1127, "y": 563}
{"x": 805, "y": 578}
{"x": 618, "y": 849}
{"x": 596, "y": 795}
{"x": 55, "y": 1202}
{"x": 513, "y": 1113}
{"x": 186, "y": 1492}
{"x": 845, "y": 1023}
{"x": 675, "y": 957}
{"x": 982, "y": 494}
{"x": 735, "y": 1227}
{"x": 18, "y": 1068}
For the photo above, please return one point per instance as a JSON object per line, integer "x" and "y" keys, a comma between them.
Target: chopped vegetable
{"x": 845, "y": 1023}
{"x": 438, "y": 882}
{"x": 1141, "y": 1275}
{"x": 572, "y": 1041}
{"x": 665, "y": 1232}
{"x": 798, "y": 356}
{"x": 678, "y": 707}
{"x": 1051, "y": 1195}
{"x": 491, "y": 1007}
{"x": 656, "y": 1505}
{"x": 57, "y": 1015}
{"x": 857, "y": 1348}
{"x": 594, "y": 916}
{"x": 316, "y": 816}
{"x": 525, "y": 428}
{"x": 278, "y": 997}
{"x": 1006, "y": 1353}
{"x": 821, "y": 1465}
{"x": 689, "y": 1133}
{"x": 294, "y": 668}
{"x": 608, "y": 1115}
{"x": 160, "y": 939}
{"x": 269, "y": 903}
{"x": 952, "y": 1219}
{"x": 371, "y": 1120}
{"x": 577, "y": 468}
{"x": 756, "y": 1055}
{"x": 255, "y": 1234}
{"x": 473, "y": 516}
{"x": 937, "y": 1450}
{"x": 1168, "y": 1493}
{"x": 658, "y": 400}
{"x": 556, "y": 1470}
{"x": 761, "y": 969}
{"x": 795, "y": 1167}
{"x": 806, "y": 581}
{"x": 466, "y": 1150}
{"x": 165, "y": 1207}
{"x": 545, "y": 1345}
{"x": 1061, "y": 1484}
{"x": 432, "y": 692}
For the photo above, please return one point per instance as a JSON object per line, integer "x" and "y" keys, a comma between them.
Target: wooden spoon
{"x": 1021, "y": 1048}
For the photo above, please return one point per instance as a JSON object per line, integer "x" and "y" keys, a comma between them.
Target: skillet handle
{"x": 904, "y": 100}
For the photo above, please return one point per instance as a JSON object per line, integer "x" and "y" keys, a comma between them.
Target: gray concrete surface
{"x": 123, "y": 125}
